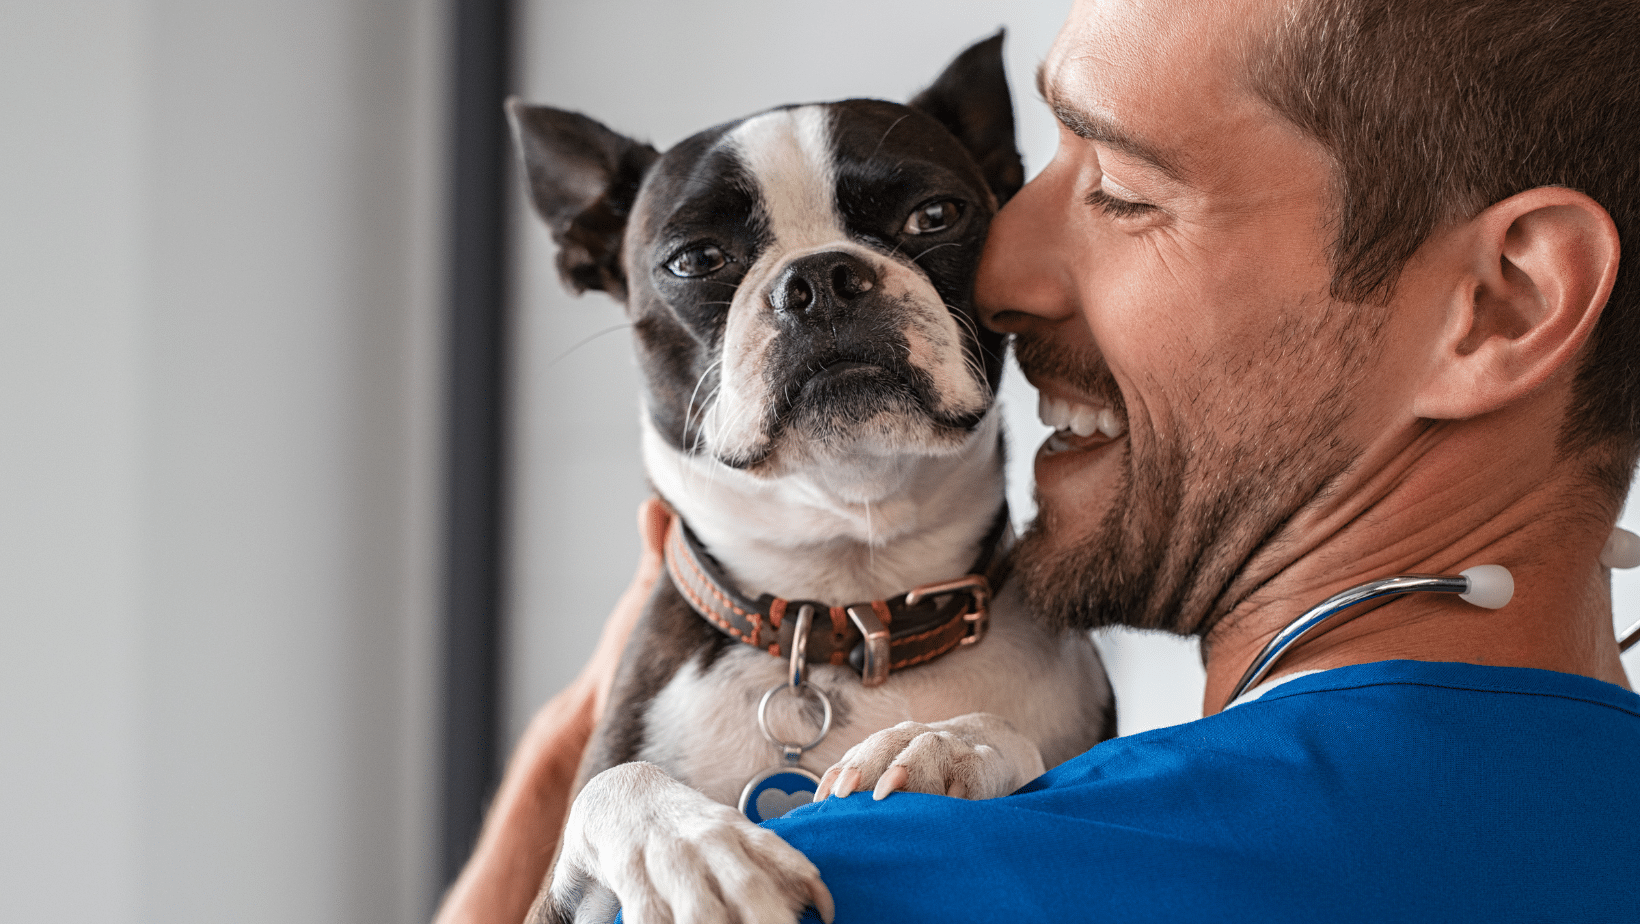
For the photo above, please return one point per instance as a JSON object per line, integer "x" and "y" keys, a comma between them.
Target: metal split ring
{"x": 786, "y": 746}
{"x": 797, "y": 682}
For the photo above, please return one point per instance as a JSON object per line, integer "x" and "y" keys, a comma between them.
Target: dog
{"x": 818, "y": 410}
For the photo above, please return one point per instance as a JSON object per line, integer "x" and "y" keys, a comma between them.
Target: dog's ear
{"x": 971, "y": 99}
{"x": 583, "y": 181}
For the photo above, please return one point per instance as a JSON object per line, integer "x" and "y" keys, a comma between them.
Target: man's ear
{"x": 970, "y": 98}
{"x": 1542, "y": 263}
{"x": 583, "y": 181}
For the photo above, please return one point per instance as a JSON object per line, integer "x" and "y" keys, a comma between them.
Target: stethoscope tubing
{"x": 1488, "y": 586}
{"x": 1335, "y": 611}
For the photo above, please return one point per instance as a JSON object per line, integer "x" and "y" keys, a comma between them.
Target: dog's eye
{"x": 933, "y": 216}
{"x": 700, "y": 260}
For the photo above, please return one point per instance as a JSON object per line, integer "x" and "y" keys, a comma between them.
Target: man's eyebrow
{"x": 1102, "y": 130}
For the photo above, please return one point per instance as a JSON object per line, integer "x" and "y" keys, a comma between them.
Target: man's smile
{"x": 1077, "y": 423}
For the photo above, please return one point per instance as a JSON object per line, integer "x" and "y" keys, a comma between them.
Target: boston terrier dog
{"x": 818, "y": 411}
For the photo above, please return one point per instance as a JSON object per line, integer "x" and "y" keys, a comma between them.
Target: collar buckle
{"x": 977, "y": 614}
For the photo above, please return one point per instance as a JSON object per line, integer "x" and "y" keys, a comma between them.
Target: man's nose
{"x": 1023, "y": 281}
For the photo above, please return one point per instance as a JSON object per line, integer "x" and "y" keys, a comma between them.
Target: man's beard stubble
{"x": 1189, "y": 516}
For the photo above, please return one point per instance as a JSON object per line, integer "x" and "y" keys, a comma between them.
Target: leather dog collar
{"x": 874, "y": 637}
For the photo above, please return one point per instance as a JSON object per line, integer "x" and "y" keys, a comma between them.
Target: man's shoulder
{"x": 1423, "y": 678}
{"x": 1316, "y": 794}
{"x": 1365, "y": 716}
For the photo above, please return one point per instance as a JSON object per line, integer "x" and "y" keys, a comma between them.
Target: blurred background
{"x": 231, "y": 292}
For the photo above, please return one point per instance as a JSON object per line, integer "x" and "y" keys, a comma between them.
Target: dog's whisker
{"x": 584, "y": 341}
{"x": 711, "y": 413}
{"x": 689, "y": 409}
{"x": 886, "y": 132}
{"x": 706, "y": 436}
{"x": 971, "y": 325}
{"x": 871, "y": 540}
{"x": 725, "y": 430}
{"x": 934, "y": 248}
{"x": 700, "y": 428}
{"x": 963, "y": 319}
{"x": 897, "y": 249}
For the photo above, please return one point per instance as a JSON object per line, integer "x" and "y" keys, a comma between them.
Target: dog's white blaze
{"x": 788, "y": 154}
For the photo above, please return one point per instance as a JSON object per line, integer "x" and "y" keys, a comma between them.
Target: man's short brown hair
{"x": 1436, "y": 109}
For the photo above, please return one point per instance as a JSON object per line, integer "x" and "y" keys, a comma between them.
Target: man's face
{"x": 1170, "y": 265}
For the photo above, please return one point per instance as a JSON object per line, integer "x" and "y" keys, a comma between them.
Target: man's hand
{"x": 522, "y": 829}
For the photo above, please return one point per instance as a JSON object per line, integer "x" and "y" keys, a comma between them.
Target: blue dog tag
{"x": 776, "y": 791}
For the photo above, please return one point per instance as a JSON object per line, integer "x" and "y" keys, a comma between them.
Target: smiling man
{"x": 1346, "y": 280}
{"x": 1332, "y": 365}
{"x": 1347, "y": 273}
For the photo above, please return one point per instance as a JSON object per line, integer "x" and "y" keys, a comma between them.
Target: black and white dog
{"x": 819, "y": 413}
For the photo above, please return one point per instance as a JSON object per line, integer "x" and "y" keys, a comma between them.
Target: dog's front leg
{"x": 973, "y": 756}
{"x": 672, "y": 855}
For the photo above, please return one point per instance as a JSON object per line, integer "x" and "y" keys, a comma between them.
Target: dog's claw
{"x": 826, "y": 782}
{"x": 821, "y": 898}
{"x": 846, "y": 782}
{"x": 892, "y": 779}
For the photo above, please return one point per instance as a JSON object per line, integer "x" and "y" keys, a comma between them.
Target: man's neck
{"x": 1424, "y": 508}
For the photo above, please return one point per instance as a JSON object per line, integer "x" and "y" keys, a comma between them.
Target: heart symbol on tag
{"x": 772, "y": 803}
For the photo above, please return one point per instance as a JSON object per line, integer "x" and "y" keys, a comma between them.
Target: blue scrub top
{"x": 1394, "y": 791}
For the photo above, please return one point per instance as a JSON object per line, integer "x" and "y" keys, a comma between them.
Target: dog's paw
{"x": 975, "y": 756}
{"x": 672, "y": 855}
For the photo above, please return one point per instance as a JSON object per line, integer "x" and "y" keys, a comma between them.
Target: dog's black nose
{"x": 821, "y": 284}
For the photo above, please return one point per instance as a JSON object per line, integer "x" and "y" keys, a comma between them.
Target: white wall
{"x": 218, "y": 398}
{"x": 662, "y": 72}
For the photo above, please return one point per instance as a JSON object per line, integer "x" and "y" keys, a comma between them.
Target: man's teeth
{"x": 1080, "y": 419}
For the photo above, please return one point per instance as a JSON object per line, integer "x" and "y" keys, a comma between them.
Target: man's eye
{"x": 934, "y": 216}
{"x": 1117, "y": 208}
{"x": 696, "y": 261}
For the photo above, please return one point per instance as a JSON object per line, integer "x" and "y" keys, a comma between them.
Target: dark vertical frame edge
{"x": 474, "y": 548}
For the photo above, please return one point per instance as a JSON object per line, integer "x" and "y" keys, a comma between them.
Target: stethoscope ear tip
{"x": 1490, "y": 586}
{"x": 1622, "y": 550}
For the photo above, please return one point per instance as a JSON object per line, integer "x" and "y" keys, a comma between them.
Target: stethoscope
{"x": 1487, "y": 586}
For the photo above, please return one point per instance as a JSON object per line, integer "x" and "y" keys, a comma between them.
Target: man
{"x": 1350, "y": 272}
